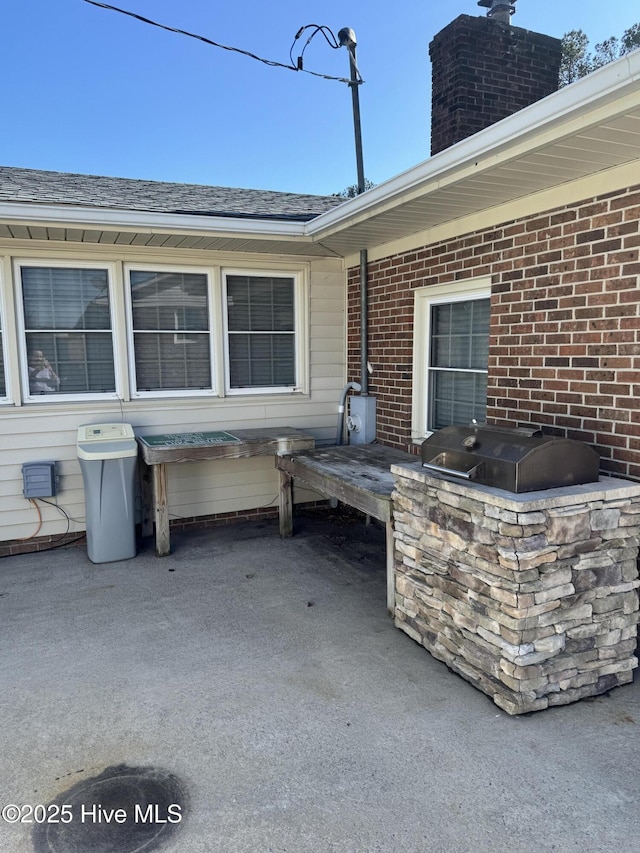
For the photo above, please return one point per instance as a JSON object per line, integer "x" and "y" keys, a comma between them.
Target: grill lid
{"x": 517, "y": 460}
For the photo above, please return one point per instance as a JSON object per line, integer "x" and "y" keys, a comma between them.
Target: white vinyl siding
{"x": 47, "y": 427}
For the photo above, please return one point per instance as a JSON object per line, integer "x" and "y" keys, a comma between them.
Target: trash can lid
{"x": 106, "y": 441}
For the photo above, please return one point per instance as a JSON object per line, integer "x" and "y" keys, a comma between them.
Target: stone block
{"x": 605, "y": 519}
{"x": 629, "y": 570}
{"x": 533, "y": 684}
{"x": 582, "y": 613}
{"x": 554, "y": 593}
{"x": 534, "y": 657}
{"x": 581, "y": 679}
{"x": 576, "y": 548}
{"x": 552, "y": 644}
{"x": 554, "y": 575}
{"x": 608, "y": 603}
{"x": 563, "y": 529}
{"x": 536, "y": 517}
{"x": 583, "y": 579}
{"x": 513, "y": 530}
{"x": 579, "y": 644}
{"x": 520, "y": 703}
{"x": 611, "y": 638}
{"x": 630, "y": 602}
{"x": 528, "y": 636}
{"x": 500, "y": 514}
{"x": 523, "y": 562}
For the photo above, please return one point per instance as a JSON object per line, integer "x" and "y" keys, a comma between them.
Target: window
{"x": 68, "y": 340}
{"x": 459, "y": 352}
{"x": 262, "y": 346}
{"x": 171, "y": 331}
{"x": 107, "y": 329}
{"x": 451, "y": 351}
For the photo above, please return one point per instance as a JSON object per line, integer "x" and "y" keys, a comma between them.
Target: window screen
{"x": 67, "y": 319}
{"x": 171, "y": 334}
{"x": 458, "y": 363}
{"x": 261, "y": 328}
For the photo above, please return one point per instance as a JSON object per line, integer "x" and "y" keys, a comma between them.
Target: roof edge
{"x": 145, "y": 222}
{"x": 607, "y": 84}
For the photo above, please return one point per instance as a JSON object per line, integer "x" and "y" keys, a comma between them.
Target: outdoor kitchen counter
{"x": 159, "y": 450}
{"x": 357, "y": 475}
{"x": 531, "y": 597}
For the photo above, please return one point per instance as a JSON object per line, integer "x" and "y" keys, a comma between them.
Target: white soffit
{"x": 103, "y": 226}
{"x": 583, "y": 129}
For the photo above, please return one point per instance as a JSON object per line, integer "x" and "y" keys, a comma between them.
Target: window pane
{"x": 164, "y": 301}
{"x": 460, "y": 335}
{"x": 57, "y": 298}
{"x": 261, "y": 361}
{"x": 172, "y": 362}
{"x": 70, "y": 363}
{"x": 260, "y": 304}
{"x": 68, "y": 330}
{"x": 457, "y": 398}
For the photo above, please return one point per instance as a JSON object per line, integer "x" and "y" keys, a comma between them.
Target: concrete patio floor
{"x": 268, "y": 678}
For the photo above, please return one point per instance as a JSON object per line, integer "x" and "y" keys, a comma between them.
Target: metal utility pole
{"x": 363, "y": 408}
{"x": 347, "y": 38}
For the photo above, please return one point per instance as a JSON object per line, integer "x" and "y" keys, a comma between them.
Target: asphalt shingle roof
{"x": 43, "y": 187}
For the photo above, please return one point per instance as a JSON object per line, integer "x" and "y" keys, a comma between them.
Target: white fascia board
{"x": 146, "y": 223}
{"x": 548, "y": 118}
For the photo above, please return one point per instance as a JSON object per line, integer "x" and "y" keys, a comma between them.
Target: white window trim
{"x": 4, "y": 314}
{"x": 214, "y": 332}
{"x": 64, "y": 263}
{"x": 301, "y": 330}
{"x": 424, "y": 298}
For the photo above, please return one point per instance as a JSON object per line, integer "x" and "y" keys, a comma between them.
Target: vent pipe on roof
{"x": 499, "y": 10}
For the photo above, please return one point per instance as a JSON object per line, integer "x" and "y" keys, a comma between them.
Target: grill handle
{"x": 470, "y": 474}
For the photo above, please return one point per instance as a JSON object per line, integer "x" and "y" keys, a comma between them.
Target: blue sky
{"x": 92, "y": 91}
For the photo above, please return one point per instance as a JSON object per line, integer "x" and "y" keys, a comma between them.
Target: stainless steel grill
{"x": 517, "y": 460}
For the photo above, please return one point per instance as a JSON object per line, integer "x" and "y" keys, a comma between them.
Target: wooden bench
{"x": 357, "y": 475}
{"x": 157, "y": 451}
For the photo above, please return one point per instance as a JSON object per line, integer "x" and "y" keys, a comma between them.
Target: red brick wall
{"x": 565, "y": 324}
{"x": 483, "y": 71}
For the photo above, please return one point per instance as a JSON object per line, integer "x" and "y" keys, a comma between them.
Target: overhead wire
{"x": 271, "y": 62}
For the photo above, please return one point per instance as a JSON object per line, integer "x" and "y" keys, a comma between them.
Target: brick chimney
{"x": 483, "y": 70}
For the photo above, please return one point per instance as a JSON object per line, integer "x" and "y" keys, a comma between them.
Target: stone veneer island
{"x": 531, "y": 597}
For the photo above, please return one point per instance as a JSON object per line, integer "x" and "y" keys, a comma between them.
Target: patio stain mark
{"x": 128, "y": 809}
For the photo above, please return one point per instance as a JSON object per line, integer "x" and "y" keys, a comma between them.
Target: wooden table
{"x": 357, "y": 475}
{"x": 159, "y": 450}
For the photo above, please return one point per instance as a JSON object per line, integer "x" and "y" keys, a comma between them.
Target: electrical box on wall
{"x": 362, "y": 419}
{"x": 39, "y": 479}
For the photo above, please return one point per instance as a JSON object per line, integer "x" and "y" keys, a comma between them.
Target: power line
{"x": 273, "y": 63}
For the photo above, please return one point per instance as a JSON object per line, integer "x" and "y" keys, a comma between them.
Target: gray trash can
{"x": 108, "y": 456}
